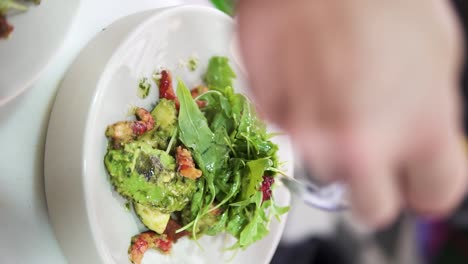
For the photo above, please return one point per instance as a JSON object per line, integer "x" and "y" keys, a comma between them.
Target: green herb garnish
{"x": 144, "y": 87}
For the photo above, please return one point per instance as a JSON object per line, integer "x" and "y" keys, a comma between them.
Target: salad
{"x": 7, "y": 6}
{"x": 201, "y": 162}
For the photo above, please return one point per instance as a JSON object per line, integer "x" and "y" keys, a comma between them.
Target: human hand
{"x": 368, "y": 92}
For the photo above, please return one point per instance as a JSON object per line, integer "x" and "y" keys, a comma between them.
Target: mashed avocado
{"x": 148, "y": 176}
{"x": 144, "y": 173}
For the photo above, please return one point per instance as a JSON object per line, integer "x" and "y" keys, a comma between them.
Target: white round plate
{"x": 37, "y": 37}
{"x": 88, "y": 216}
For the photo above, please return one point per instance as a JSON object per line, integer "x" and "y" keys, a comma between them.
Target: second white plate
{"x": 37, "y": 37}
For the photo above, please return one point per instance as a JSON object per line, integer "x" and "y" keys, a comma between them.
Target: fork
{"x": 330, "y": 197}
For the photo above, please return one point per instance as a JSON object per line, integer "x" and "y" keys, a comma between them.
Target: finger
{"x": 260, "y": 56}
{"x": 437, "y": 180}
{"x": 318, "y": 152}
{"x": 374, "y": 194}
{"x": 314, "y": 152}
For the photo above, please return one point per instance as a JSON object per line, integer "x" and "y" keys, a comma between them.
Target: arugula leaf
{"x": 219, "y": 75}
{"x": 257, "y": 228}
{"x": 277, "y": 211}
{"x": 252, "y": 180}
{"x": 250, "y": 126}
{"x": 254, "y": 228}
{"x": 193, "y": 126}
{"x": 237, "y": 221}
{"x": 197, "y": 199}
{"x": 254, "y": 231}
{"x": 216, "y": 101}
{"x": 233, "y": 190}
{"x": 220, "y": 225}
{"x": 237, "y": 103}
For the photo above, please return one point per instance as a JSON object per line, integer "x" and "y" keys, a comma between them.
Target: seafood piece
{"x": 165, "y": 88}
{"x": 125, "y": 131}
{"x": 147, "y": 240}
{"x": 5, "y": 28}
{"x": 186, "y": 165}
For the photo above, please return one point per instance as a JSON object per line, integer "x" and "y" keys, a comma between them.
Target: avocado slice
{"x": 165, "y": 116}
{"x": 152, "y": 218}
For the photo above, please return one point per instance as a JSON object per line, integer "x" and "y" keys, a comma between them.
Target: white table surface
{"x": 26, "y": 235}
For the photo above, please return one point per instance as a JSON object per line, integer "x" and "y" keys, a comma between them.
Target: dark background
{"x": 461, "y": 7}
